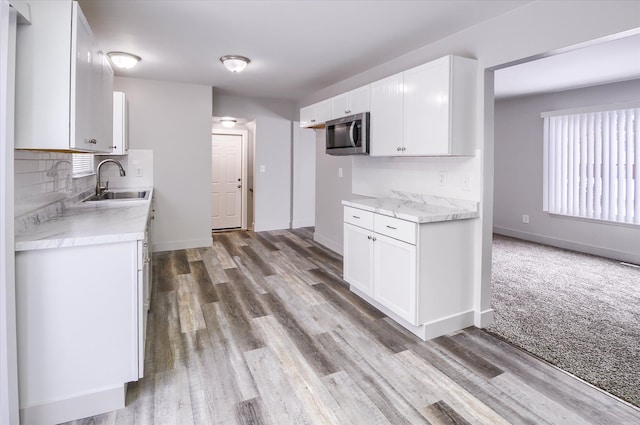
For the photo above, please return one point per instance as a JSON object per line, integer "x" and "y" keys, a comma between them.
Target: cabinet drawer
{"x": 358, "y": 217}
{"x": 395, "y": 228}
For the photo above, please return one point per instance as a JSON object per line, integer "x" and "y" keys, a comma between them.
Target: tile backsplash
{"x": 44, "y": 178}
{"x": 44, "y": 184}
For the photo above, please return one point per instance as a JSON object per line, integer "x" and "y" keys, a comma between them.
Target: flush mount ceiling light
{"x": 228, "y": 122}
{"x": 235, "y": 63}
{"x": 124, "y": 60}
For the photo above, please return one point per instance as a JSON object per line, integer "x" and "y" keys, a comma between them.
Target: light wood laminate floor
{"x": 261, "y": 329}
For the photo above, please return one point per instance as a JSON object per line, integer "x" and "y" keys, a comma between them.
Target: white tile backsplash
{"x": 136, "y": 159}
{"x": 44, "y": 183}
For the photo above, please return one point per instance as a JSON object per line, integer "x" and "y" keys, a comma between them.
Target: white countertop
{"x": 417, "y": 208}
{"x": 89, "y": 223}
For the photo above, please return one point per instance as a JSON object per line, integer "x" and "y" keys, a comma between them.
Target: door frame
{"x": 244, "y": 134}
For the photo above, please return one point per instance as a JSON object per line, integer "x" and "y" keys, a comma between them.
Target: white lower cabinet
{"x": 81, "y": 320}
{"x": 394, "y": 276}
{"x": 411, "y": 271}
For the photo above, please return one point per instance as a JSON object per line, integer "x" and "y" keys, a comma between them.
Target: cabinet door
{"x": 359, "y": 100}
{"x": 316, "y": 114}
{"x": 386, "y": 116}
{"x": 83, "y": 94}
{"x": 119, "y": 146}
{"x": 104, "y": 124}
{"x": 358, "y": 256}
{"x": 340, "y": 106}
{"x": 426, "y": 108}
{"x": 394, "y": 276}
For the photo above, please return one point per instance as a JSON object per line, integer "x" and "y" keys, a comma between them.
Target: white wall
{"x": 174, "y": 120}
{"x": 533, "y": 29}
{"x": 331, "y": 189}
{"x": 303, "y": 210}
{"x": 272, "y": 150}
{"x": 518, "y": 175}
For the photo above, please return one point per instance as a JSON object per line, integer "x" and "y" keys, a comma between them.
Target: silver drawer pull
{"x": 355, "y": 216}
{"x": 391, "y": 227}
{"x": 369, "y": 237}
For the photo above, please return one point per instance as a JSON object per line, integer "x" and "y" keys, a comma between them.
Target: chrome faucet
{"x": 99, "y": 188}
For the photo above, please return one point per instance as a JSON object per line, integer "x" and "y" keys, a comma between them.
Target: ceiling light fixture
{"x": 228, "y": 122}
{"x": 234, "y": 63}
{"x": 124, "y": 60}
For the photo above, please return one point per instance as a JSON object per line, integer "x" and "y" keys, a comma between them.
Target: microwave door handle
{"x": 351, "y": 129}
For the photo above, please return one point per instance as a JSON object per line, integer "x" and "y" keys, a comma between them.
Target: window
{"x": 590, "y": 164}
{"x": 82, "y": 164}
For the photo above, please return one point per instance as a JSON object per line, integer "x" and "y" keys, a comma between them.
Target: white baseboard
{"x": 483, "y": 319}
{"x": 176, "y": 245}
{"x": 329, "y": 243}
{"x": 74, "y": 408}
{"x": 574, "y": 246}
{"x": 309, "y": 222}
{"x": 426, "y": 331}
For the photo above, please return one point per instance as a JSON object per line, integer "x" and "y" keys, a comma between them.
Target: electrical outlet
{"x": 442, "y": 178}
{"x": 525, "y": 218}
{"x": 139, "y": 171}
{"x": 466, "y": 182}
{"x": 263, "y": 168}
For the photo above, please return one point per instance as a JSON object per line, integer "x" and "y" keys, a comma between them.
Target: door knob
{"x": 239, "y": 186}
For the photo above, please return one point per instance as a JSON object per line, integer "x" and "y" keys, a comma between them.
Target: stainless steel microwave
{"x": 348, "y": 135}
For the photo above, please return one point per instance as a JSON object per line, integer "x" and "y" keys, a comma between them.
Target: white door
{"x": 226, "y": 181}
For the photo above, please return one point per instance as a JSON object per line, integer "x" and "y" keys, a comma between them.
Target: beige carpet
{"x": 577, "y": 311}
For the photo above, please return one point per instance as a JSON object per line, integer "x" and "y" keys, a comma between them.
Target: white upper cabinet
{"x": 386, "y": 116}
{"x": 316, "y": 114}
{"x": 120, "y": 124}
{"x": 63, "y": 82}
{"x": 350, "y": 103}
{"x": 425, "y": 111}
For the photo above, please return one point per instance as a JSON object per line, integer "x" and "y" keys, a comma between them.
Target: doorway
{"x": 228, "y": 179}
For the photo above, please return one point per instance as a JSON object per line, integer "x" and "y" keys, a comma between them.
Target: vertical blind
{"x": 591, "y": 165}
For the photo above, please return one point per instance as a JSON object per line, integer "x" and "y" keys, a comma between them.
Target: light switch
{"x": 340, "y": 172}
{"x": 442, "y": 178}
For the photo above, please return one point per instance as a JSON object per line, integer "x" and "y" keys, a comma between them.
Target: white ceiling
{"x": 296, "y": 47}
{"x": 606, "y": 62}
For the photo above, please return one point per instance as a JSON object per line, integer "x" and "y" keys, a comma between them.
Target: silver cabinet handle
{"x": 347, "y": 112}
{"x": 313, "y": 120}
{"x": 91, "y": 141}
{"x": 374, "y": 239}
{"x": 398, "y": 148}
{"x": 355, "y": 216}
{"x": 369, "y": 237}
{"x": 391, "y": 227}
{"x": 404, "y": 149}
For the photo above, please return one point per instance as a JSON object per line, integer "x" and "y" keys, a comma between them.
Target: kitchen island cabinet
{"x": 82, "y": 293}
{"x": 409, "y": 267}
{"x": 64, "y": 83}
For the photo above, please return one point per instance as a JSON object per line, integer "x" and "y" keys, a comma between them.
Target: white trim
{"x": 483, "y": 319}
{"x": 177, "y": 245}
{"x": 425, "y": 331}
{"x": 308, "y": 222}
{"x": 9, "y": 400}
{"x": 587, "y": 109}
{"x": 81, "y": 406}
{"x": 573, "y": 246}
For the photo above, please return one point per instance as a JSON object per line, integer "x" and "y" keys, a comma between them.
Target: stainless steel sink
{"x": 117, "y": 195}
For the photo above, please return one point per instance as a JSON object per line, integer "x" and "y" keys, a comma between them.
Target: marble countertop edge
{"x": 425, "y": 209}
